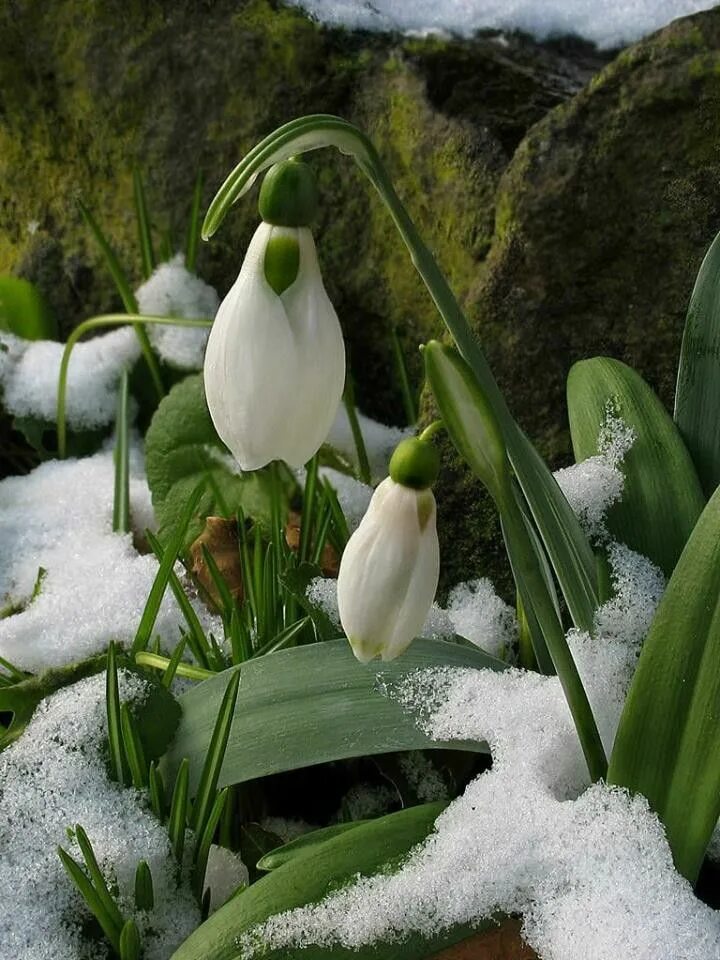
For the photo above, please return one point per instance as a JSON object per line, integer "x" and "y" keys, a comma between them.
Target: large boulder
{"x": 602, "y": 219}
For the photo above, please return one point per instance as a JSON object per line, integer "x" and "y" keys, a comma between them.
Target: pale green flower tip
{"x": 282, "y": 262}
{"x": 364, "y": 652}
{"x": 415, "y": 464}
{"x": 289, "y": 195}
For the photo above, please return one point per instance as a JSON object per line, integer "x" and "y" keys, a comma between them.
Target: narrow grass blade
{"x": 91, "y": 898}
{"x": 157, "y": 591}
{"x": 133, "y": 748}
{"x": 228, "y": 604}
{"x": 340, "y": 533}
{"x": 667, "y": 746}
{"x": 118, "y": 762}
{"x": 207, "y": 785}
{"x": 172, "y": 667}
{"x": 196, "y": 639}
{"x": 205, "y": 839}
{"x": 178, "y": 822}
{"x": 409, "y": 401}
{"x": 96, "y": 876}
{"x": 126, "y": 295}
{"x": 364, "y": 851}
{"x": 697, "y": 395}
{"x": 660, "y": 479}
{"x": 312, "y": 704}
{"x": 121, "y": 500}
{"x": 144, "y": 894}
{"x": 308, "y": 511}
{"x": 358, "y": 439}
{"x": 284, "y": 639}
{"x": 193, "y": 231}
{"x": 156, "y": 789}
{"x": 143, "y": 223}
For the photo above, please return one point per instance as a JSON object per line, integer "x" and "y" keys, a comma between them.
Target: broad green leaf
{"x": 660, "y": 480}
{"x": 697, "y": 395}
{"x": 309, "y": 705}
{"x": 24, "y": 311}
{"x": 304, "y": 844}
{"x": 668, "y": 743}
{"x": 181, "y": 449}
{"x": 366, "y": 850}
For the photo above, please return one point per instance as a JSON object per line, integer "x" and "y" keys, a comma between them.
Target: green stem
{"x": 154, "y": 660}
{"x": 106, "y": 320}
{"x": 535, "y": 596}
{"x": 121, "y": 501}
{"x": 358, "y": 439}
{"x": 407, "y": 394}
{"x": 429, "y": 432}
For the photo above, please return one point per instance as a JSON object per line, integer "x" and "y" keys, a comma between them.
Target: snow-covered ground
{"x": 608, "y": 23}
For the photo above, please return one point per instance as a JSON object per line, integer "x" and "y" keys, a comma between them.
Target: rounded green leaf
{"x": 24, "y": 311}
{"x": 662, "y": 498}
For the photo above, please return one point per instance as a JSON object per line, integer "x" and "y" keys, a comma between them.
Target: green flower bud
{"x": 130, "y": 945}
{"x": 288, "y": 196}
{"x": 415, "y": 464}
{"x": 282, "y": 260}
{"x": 468, "y": 417}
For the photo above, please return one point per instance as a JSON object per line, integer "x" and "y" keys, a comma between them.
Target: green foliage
{"x": 668, "y": 743}
{"x": 315, "y": 870}
{"x": 181, "y": 449}
{"x": 24, "y": 312}
{"x": 121, "y": 500}
{"x": 697, "y": 397}
{"x": 660, "y": 479}
{"x": 309, "y": 705}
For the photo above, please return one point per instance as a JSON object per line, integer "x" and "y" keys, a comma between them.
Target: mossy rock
{"x": 602, "y": 219}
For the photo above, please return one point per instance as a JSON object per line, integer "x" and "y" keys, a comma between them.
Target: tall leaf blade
{"x": 668, "y": 743}
{"x": 306, "y": 879}
{"x": 310, "y": 705}
{"x": 660, "y": 479}
{"x": 697, "y": 395}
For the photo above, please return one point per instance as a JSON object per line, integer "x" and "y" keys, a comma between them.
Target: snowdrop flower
{"x": 275, "y": 361}
{"x": 390, "y": 567}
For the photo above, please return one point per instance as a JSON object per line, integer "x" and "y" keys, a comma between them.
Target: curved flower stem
{"x": 106, "y": 320}
{"x": 431, "y": 430}
{"x": 563, "y": 538}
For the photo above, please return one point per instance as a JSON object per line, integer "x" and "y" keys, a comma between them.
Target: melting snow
{"x": 53, "y": 777}
{"x": 608, "y": 23}
{"x": 59, "y": 518}
{"x": 174, "y": 291}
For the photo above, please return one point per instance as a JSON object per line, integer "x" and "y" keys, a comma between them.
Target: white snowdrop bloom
{"x": 390, "y": 567}
{"x": 275, "y": 363}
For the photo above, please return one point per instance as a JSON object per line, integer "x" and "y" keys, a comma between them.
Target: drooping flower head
{"x": 390, "y": 567}
{"x": 275, "y": 361}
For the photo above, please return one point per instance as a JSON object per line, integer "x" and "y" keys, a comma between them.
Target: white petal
{"x": 320, "y": 353}
{"x": 388, "y": 574}
{"x": 250, "y": 364}
{"x": 421, "y": 590}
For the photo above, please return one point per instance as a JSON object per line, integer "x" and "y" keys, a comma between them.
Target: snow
{"x": 592, "y": 486}
{"x": 380, "y": 441}
{"x": 588, "y": 868}
{"x": 59, "y": 517}
{"x": 477, "y": 613}
{"x": 608, "y": 23}
{"x": 174, "y": 291}
{"x": 224, "y": 874}
{"x": 353, "y": 496}
{"x": 29, "y": 373}
{"x": 53, "y": 777}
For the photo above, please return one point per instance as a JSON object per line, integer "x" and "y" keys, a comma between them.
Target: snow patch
{"x": 53, "y": 777}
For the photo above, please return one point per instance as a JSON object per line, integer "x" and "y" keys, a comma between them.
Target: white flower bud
{"x": 389, "y": 572}
{"x": 275, "y": 364}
